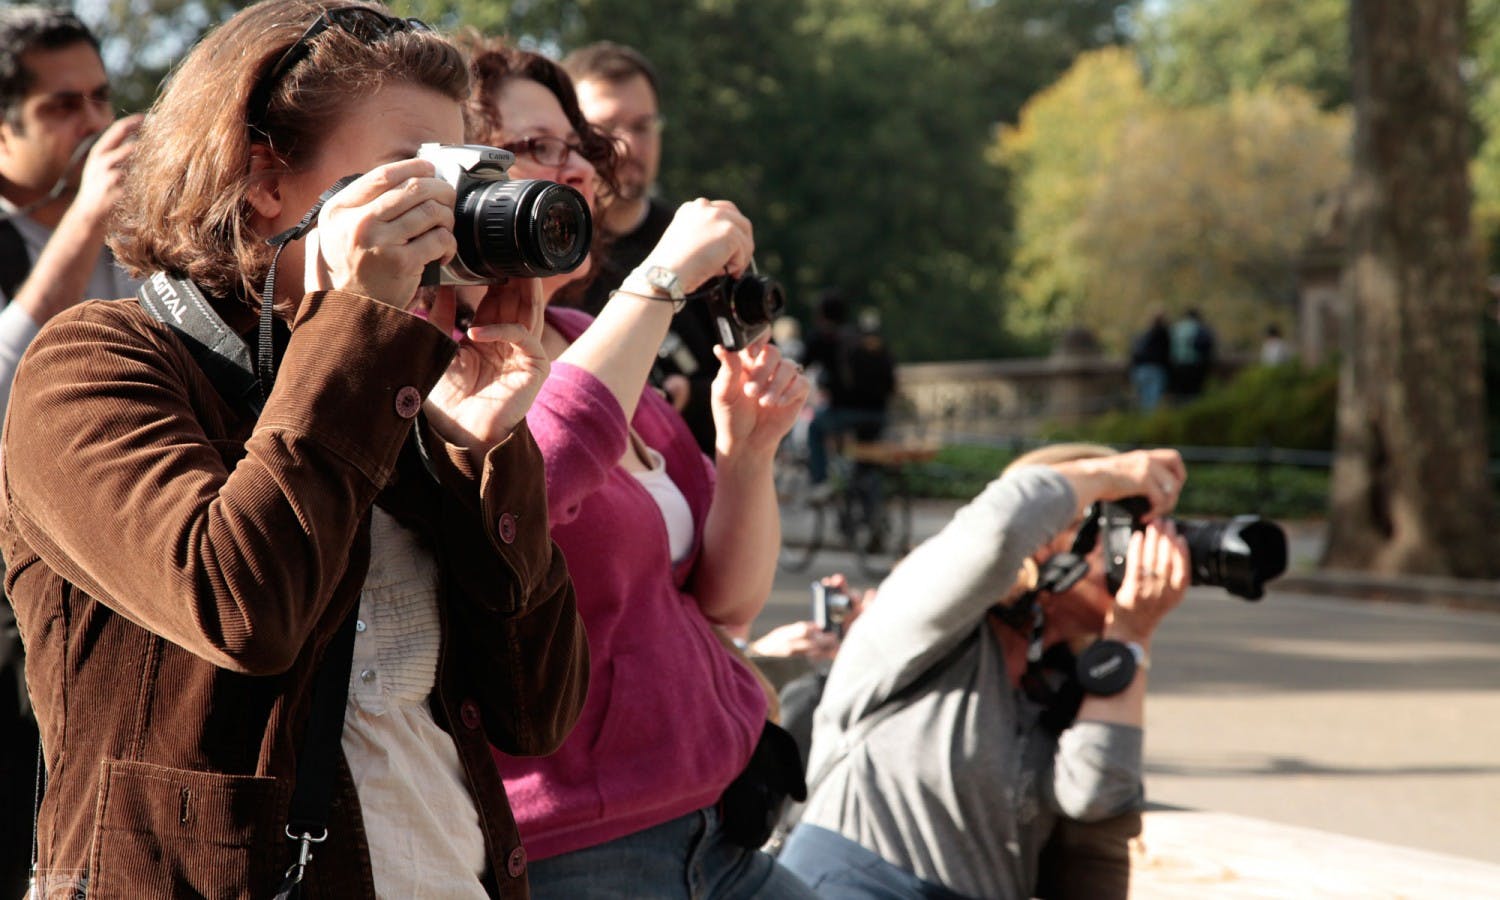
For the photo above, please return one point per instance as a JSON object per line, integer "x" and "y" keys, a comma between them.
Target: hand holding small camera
{"x": 376, "y": 235}
{"x": 706, "y": 238}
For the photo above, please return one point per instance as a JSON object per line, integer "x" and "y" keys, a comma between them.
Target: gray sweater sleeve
{"x": 937, "y": 596}
{"x": 1096, "y": 771}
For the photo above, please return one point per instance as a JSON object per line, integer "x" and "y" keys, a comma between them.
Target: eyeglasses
{"x": 362, "y": 22}
{"x": 66, "y": 104}
{"x": 544, "y": 151}
{"x": 644, "y": 127}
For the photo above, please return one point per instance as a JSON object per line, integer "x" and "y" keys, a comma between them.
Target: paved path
{"x": 1368, "y": 720}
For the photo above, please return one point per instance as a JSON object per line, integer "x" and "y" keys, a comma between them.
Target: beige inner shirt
{"x": 423, "y": 828}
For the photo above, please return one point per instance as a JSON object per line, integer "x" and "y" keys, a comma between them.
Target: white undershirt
{"x": 675, "y": 512}
{"x": 420, "y": 819}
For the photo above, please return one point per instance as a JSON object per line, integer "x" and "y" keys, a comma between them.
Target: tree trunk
{"x": 1410, "y": 491}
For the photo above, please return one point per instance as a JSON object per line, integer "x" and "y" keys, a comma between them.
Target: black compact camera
{"x": 1239, "y": 555}
{"x": 830, "y": 608}
{"x": 744, "y": 307}
{"x": 529, "y": 228}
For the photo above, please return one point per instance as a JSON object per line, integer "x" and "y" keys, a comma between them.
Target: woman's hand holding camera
{"x": 1157, "y": 475}
{"x": 706, "y": 238}
{"x": 499, "y": 368}
{"x": 376, "y": 235}
{"x": 1157, "y": 574}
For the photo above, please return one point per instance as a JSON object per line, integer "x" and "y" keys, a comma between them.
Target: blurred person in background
{"x": 857, "y": 372}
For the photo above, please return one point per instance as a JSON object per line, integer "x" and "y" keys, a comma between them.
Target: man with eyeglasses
{"x": 54, "y": 97}
{"x": 55, "y": 192}
{"x": 618, "y": 91}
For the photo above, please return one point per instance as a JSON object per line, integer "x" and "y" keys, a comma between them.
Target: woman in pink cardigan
{"x": 662, "y": 543}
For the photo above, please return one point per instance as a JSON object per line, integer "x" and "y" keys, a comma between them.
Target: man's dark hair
{"x": 611, "y": 63}
{"x": 27, "y": 28}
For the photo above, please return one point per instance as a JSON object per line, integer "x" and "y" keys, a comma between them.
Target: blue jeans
{"x": 1150, "y": 381}
{"x": 687, "y": 858}
{"x": 840, "y": 869}
{"x": 828, "y": 424}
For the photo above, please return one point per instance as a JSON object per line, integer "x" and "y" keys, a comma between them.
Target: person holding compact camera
{"x": 949, "y": 742}
{"x": 277, "y": 545}
{"x": 663, "y": 544}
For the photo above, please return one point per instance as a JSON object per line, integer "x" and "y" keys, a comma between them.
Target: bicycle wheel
{"x": 801, "y": 517}
{"x": 881, "y": 522}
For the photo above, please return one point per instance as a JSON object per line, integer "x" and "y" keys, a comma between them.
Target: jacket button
{"x": 408, "y": 402}
{"x": 507, "y": 528}
{"x": 468, "y": 711}
{"x": 516, "y": 864}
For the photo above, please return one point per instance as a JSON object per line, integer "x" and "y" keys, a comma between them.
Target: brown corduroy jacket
{"x": 178, "y": 570}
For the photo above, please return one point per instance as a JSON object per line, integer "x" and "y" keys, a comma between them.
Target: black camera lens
{"x": 1239, "y": 555}
{"x": 525, "y": 228}
{"x": 757, "y": 299}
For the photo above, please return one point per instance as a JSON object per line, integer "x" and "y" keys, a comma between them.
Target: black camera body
{"x": 1239, "y": 554}
{"x": 744, "y": 307}
{"x": 830, "y": 608}
{"x": 529, "y": 228}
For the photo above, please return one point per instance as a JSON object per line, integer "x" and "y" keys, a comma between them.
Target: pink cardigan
{"x": 671, "y": 717}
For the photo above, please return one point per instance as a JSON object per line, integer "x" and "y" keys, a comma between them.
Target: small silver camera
{"x": 505, "y": 227}
{"x": 830, "y": 608}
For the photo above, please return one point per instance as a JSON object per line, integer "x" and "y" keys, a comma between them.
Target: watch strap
{"x": 656, "y": 282}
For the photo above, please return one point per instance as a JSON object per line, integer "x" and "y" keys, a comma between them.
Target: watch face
{"x": 1106, "y": 668}
{"x": 665, "y": 279}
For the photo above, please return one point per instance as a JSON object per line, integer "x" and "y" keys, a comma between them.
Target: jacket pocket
{"x": 164, "y": 832}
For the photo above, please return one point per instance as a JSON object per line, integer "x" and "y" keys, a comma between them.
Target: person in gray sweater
{"x": 934, "y": 772}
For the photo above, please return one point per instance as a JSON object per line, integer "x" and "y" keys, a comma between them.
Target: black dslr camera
{"x": 529, "y": 228}
{"x": 744, "y": 307}
{"x": 1239, "y": 555}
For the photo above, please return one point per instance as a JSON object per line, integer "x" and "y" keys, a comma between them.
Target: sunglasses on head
{"x": 368, "y": 25}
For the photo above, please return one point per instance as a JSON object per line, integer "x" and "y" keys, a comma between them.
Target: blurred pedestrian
{"x": 857, "y": 372}
{"x": 1274, "y": 350}
{"x": 1150, "y": 355}
{"x": 1193, "y": 353}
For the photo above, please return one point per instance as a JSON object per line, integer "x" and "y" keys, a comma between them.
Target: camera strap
{"x": 225, "y": 358}
{"x": 222, "y": 355}
{"x": 265, "y": 355}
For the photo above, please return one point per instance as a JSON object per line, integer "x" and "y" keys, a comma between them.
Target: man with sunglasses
{"x": 618, "y": 91}
{"x": 54, "y": 97}
{"x": 61, "y": 156}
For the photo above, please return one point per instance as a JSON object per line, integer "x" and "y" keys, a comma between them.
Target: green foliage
{"x": 1126, "y": 205}
{"x": 1212, "y": 489}
{"x": 1203, "y": 51}
{"x": 853, "y": 134}
{"x": 1279, "y": 406}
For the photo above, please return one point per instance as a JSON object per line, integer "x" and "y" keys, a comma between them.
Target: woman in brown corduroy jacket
{"x": 178, "y": 566}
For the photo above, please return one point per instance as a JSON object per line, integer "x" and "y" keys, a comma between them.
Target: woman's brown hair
{"x": 184, "y": 208}
{"x": 492, "y": 63}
